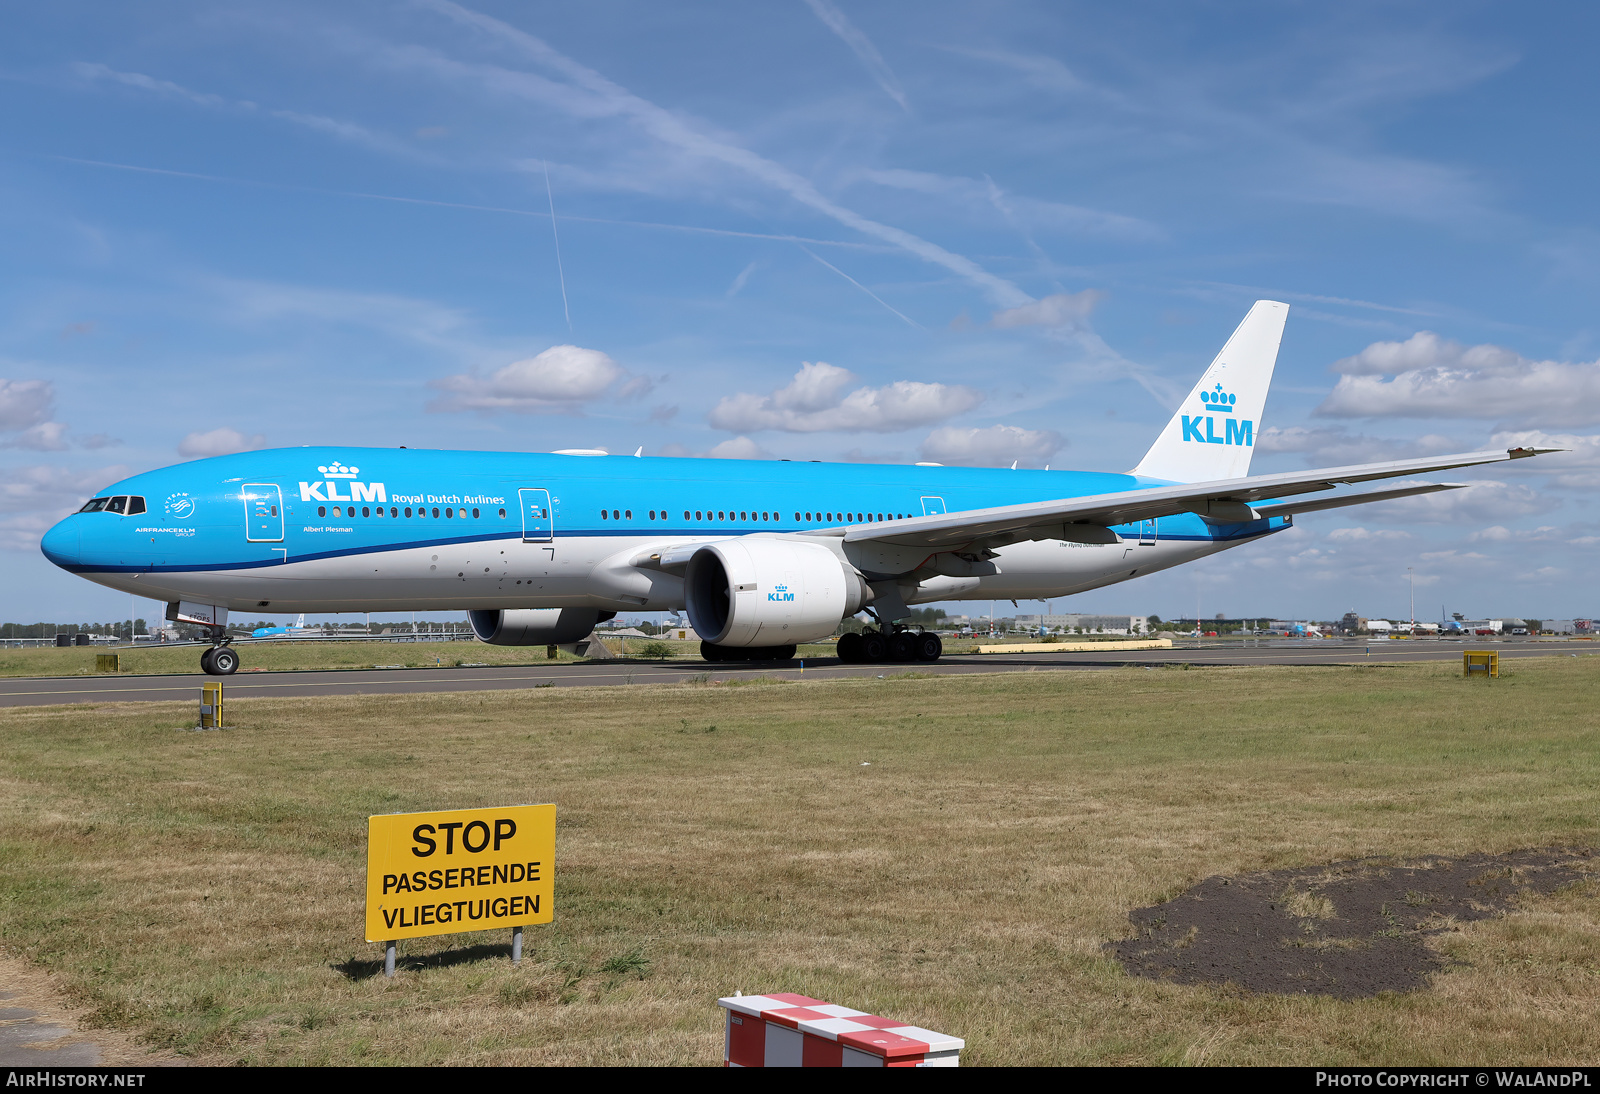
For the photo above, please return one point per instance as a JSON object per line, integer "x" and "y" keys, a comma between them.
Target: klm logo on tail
{"x": 1239, "y": 431}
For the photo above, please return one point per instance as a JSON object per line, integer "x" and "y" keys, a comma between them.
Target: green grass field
{"x": 954, "y": 851}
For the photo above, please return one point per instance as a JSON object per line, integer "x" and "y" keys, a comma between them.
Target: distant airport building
{"x": 1089, "y": 624}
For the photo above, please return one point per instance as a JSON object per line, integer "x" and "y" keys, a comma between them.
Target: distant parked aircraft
{"x": 298, "y": 628}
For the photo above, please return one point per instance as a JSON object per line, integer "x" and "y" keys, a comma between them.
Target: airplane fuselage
{"x": 372, "y": 530}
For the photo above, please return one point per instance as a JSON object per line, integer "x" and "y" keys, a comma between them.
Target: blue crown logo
{"x": 780, "y": 588}
{"x": 1218, "y": 401}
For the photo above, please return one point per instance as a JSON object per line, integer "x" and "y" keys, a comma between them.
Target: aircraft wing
{"x": 1087, "y": 519}
{"x": 1316, "y": 505}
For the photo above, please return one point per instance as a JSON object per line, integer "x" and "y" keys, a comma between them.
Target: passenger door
{"x": 263, "y": 512}
{"x": 537, "y": 525}
{"x": 932, "y": 507}
{"x": 1147, "y": 533}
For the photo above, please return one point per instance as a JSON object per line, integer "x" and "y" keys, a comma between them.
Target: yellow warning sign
{"x": 459, "y": 870}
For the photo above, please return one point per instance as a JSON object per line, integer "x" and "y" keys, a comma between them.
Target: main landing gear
{"x": 746, "y": 653}
{"x": 890, "y": 643}
{"x": 221, "y": 659}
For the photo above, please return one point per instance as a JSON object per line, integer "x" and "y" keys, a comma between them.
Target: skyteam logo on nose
{"x": 335, "y": 473}
{"x": 780, "y": 594}
{"x": 1216, "y": 402}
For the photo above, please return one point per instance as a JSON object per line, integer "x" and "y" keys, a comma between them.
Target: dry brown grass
{"x": 203, "y": 890}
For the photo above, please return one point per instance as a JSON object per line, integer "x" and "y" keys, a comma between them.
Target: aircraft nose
{"x": 63, "y": 544}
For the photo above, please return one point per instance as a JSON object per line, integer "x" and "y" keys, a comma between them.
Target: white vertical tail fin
{"x": 1213, "y": 434}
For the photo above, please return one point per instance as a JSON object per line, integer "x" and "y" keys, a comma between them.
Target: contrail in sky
{"x": 551, "y": 194}
{"x": 857, "y": 284}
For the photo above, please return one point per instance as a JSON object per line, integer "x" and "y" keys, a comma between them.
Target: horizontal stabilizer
{"x": 1316, "y": 505}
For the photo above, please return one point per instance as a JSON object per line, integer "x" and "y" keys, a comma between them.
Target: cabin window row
{"x": 449, "y": 512}
{"x": 752, "y": 515}
{"x": 853, "y": 518}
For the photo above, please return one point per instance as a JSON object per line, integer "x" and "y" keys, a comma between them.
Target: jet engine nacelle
{"x": 535, "y": 626}
{"x": 769, "y": 592}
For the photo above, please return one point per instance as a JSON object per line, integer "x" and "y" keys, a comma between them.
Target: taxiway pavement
{"x": 40, "y": 691}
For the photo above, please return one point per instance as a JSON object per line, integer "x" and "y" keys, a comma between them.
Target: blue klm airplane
{"x": 539, "y": 547}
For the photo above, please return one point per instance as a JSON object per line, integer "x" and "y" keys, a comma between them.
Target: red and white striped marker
{"x": 787, "y": 1030}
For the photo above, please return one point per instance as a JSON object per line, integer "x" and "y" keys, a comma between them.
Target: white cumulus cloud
{"x": 1064, "y": 309}
{"x": 219, "y": 442}
{"x": 739, "y": 448}
{"x": 24, "y": 403}
{"x": 734, "y": 448}
{"x": 559, "y": 379}
{"x": 1431, "y": 377}
{"x": 815, "y": 401}
{"x": 1576, "y": 467}
{"x": 25, "y": 407}
{"x": 1334, "y": 446}
{"x": 34, "y": 498}
{"x": 44, "y": 437}
{"x": 1485, "y": 501}
{"x": 1499, "y": 533}
{"x": 996, "y": 445}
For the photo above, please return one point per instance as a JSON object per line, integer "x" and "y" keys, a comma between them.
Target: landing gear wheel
{"x": 849, "y": 647}
{"x": 873, "y": 648}
{"x": 207, "y": 665}
{"x": 928, "y": 647}
{"x": 712, "y": 652}
{"x": 224, "y": 661}
{"x": 773, "y": 653}
{"x": 900, "y": 647}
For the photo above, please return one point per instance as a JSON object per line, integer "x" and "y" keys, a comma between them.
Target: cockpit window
{"x": 128, "y": 505}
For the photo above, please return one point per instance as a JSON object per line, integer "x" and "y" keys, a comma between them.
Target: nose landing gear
{"x": 890, "y": 643}
{"x": 221, "y": 659}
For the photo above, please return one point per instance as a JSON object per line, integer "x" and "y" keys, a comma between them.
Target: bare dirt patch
{"x": 1348, "y": 929}
{"x": 40, "y": 1028}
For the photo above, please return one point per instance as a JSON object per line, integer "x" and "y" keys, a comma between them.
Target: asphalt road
{"x": 38, "y": 691}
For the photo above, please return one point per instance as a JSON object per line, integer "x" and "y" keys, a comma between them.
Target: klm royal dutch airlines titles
{"x": 537, "y": 548}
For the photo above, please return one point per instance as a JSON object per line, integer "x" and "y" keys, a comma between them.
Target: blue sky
{"x": 823, "y": 230}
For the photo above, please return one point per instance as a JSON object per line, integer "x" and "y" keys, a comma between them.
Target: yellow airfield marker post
{"x": 211, "y": 705}
{"x": 459, "y": 870}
